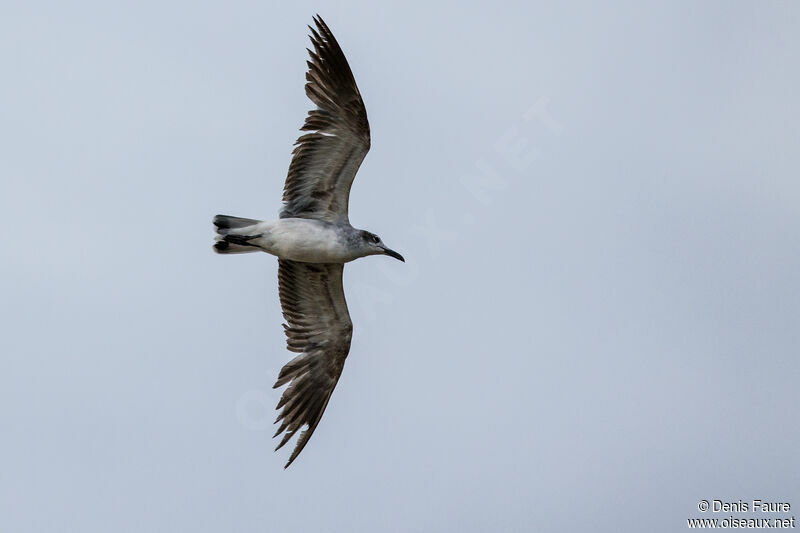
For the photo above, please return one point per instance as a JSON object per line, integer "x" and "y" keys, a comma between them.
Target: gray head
{"x": 371, "y": 244}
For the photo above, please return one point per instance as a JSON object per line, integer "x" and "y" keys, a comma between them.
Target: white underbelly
{"x": 301, "y": 239}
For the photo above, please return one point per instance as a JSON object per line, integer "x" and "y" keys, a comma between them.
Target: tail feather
{"x": 226, "y": 222}
{"x": 232, "y": 237}
{"x": 225, "y": 247}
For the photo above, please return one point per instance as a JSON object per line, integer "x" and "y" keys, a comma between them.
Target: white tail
{"x": 233, "y": 236}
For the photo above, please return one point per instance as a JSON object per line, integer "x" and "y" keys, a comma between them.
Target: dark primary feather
{"x": 325, "y": 161}
{"x": 318, "y": 327}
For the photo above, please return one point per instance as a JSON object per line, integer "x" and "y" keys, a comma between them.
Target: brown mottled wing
{"x": 325, "y": 161}
{"x": 318, "y": 327}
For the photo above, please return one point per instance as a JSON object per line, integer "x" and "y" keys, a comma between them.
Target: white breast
{"x": 302, "y": 239}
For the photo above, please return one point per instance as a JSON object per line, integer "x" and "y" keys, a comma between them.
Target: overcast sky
{"x": 597, "y": 325}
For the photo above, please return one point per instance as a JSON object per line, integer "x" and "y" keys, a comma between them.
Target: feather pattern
{"x": 319, "y": 329}
{"x": 325, "y": 161}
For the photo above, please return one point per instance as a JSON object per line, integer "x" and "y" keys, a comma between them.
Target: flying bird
{"x": 313, "y": 239}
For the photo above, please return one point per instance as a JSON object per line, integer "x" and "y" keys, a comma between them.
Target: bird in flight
{"x": 313, "y": 238}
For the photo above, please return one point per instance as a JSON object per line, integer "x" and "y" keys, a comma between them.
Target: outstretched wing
{"x": 325, "y": 161}
{"x": 318, "y": 327}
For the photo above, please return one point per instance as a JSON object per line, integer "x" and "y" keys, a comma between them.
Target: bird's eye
{"x": 376, "y": 239}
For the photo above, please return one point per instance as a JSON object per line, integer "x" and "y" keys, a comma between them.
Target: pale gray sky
{"x": 598, "y": 321}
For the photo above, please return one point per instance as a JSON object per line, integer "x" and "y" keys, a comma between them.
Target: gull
{"x": 313, "y": 239}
